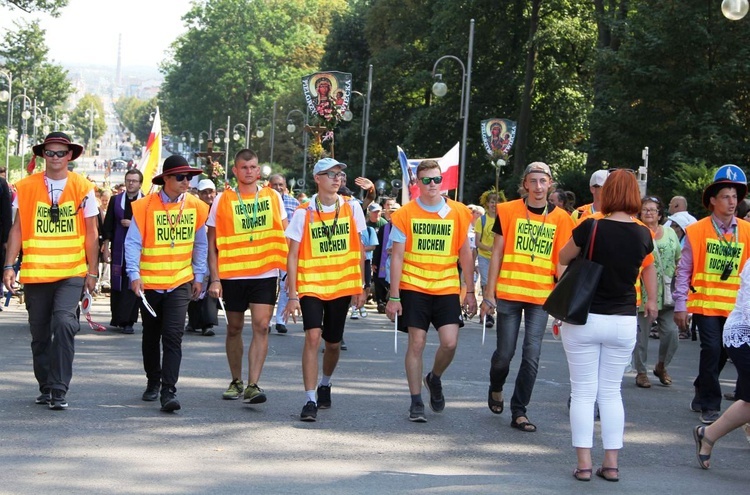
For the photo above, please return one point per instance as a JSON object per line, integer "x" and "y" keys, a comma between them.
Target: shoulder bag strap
{"x": 589, "y": 249}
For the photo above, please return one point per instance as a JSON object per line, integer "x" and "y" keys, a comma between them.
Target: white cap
{"x": 598, "y": 178}
{"x": 206, "y": 184}
{"x": 683, "y": 219}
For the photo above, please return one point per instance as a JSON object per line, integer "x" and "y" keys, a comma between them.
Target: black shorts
{"x": 420, "y": 309}
{"x": 368, "y": 273}
{"x": 240, "y": 293}
{"x": 741, "y": 358}
{"x": 328, "y": 315}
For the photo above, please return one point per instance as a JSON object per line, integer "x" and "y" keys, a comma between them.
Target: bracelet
{"x": 293, "y": 299}
{"x": 397, "y": 299}
{"x": 472, "y": 292}
{"x": 95, "y": 277}
{"x": 8, "y": 267}
{"x": 213, "y": 282}
{"x": 489, "y": 303}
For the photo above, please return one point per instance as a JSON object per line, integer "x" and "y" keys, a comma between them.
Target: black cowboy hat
{"x": 173, "y": 165}
{"x": 59, "y": 138}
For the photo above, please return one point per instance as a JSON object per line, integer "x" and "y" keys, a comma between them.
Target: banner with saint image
{"x": 498, "y": 135}
{"x": 327, "y": 94}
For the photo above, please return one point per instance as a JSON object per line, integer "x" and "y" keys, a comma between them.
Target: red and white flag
{"x": 448, "y": 169}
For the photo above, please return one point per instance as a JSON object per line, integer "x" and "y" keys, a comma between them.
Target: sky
{"x": 87, "y": 31}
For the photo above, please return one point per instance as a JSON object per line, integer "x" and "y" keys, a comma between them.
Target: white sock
{"x": 310, "y": 396}
{"x": 325, "y": 381}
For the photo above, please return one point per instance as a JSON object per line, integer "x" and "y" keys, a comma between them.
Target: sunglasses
{"x": 58, "y": 154}
{"x": 427, "y": 180}
{"x": 181, "y": 177}
{"x": 334, "y": 175}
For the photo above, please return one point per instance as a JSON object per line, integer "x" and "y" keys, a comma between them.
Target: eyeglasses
{"x": 181, "y": 177}
{"x": 132, "y": 181}
{"x": 650, "y": 210}
{"x": 58, "y": 154}
{"x": 334, "y": 175}
{"x": 427, "y": 180}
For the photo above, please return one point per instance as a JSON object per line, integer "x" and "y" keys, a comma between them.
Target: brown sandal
{"x": 578, "y": 472}
{"x": 661, "y": 373}
{"x": 600, "y": 473}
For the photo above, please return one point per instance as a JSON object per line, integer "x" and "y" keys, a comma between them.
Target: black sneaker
{"x": 281, "y": 328}
{"x": 709, "y": 417}
{"x": 490, "y": 321}
{"x": 416, "y": 413}
{"x": 169, "y": 402}
{"x": 57, "y": 401}
{"x": 151, "y": 393}
{"x": 208, "y": 332}
{"x": 43, "y": 398}
{"x": 343, "y": 345}
{"x": 324, "y": 396}
{"x": 128, "y": 330}
{"x": 309, "y": 412}
{"x": 437, "y": 401}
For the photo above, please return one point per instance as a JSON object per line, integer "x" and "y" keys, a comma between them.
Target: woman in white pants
{"x": 599, "y": 351}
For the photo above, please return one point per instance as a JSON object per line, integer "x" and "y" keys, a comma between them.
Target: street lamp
{"x": 201, "y": 140}
{"x": 366, "y": 118}
{"x": 236, "y": 134}
{"x": 91, "y": 114}
{"x": 259, "y": 132}
{"x": 290, "y": 128}
{"x": 151, "y": 116}
{"x": 25, "y": 114}
{"x": 734, "y": 10}
{"x": 7, "y": 95}
{"x": 439, "y": 89}
{"x": 225, "y": 140}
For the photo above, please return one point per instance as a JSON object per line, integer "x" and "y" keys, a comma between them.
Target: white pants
{"x": 598, "y": 353}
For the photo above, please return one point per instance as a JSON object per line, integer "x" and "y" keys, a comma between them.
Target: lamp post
{"x": 225, "y": 140}
{"x": 91, "y": 114}
{"x": 290, "y": 128}
{"x": 236, "y": 134}
{"x": 37, "y": 122}
{"x": 439, "y": 89}
{"x": 25, "y": 114}
{"x": 259, "y": 132}
{"x": 7, "y": 95}
{"x": 189, "y": 140}
{"x": 201, "y": 140}
{"x": 365, "y": 119}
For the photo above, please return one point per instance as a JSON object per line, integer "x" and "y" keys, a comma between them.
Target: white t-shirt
{"x": 211, "y": 222}
{"x": 298, "y": 223}
{"x": 55, "y": 188}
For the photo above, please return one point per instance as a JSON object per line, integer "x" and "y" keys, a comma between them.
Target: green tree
{"x": 87, "y": 118}
{"x": 51, "y": 7}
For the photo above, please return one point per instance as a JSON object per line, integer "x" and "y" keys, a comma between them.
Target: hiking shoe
{"x": 151, "y": 393}
{"x": 416, "y": 413}
{"x": 43, "y": 398}
{"x": 437, "y": 401}
{"x": 363, "y": 312}
{"x": 254, "y": 394}
{"x": 169, "y": 402}
{"x": 309, "y": 412}
{"x": 709, "y": 417}
{"x": 57, "y": 401}
{"x": 355, "y": 314}
{"x": 234, "y": 391}
{"x": 324, "y": 396}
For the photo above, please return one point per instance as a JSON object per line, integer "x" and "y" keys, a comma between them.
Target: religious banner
{"x": 498, "y": 136}
{"x": 327, "y": 96}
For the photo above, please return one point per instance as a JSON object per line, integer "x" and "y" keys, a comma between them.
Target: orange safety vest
{"x": 713, "y": 296}
{"x": 580, "y": 213}
{"x": 329, "y": 268}
{"x": 167, "y": 247}
{"x": 431, "y": 247}
{"x": 522, "y": 278}
{"x": 250, "y": 239}
{"x": 52, "y": 251}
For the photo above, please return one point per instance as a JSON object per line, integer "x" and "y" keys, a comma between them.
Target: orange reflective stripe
{"x": 329, "y": 268}
{"x": 239, "y": 221}
{"x": 167, "y": 253}
{"x": 432, "y": 245}
{"x": 52, "y": 250}
{"x": 713, "y": 296}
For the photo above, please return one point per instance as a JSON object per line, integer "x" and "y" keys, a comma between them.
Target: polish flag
{"x": 151, "y": 159}
{"x": 448, "y": 169}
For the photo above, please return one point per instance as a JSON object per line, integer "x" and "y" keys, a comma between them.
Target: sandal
{"x": 496, "y": 406}
{"x": 526, "y": 426}
{"x": 699, "y": 434}
{"x": 600, "y": 473}
{"x": 661, "y": 373}
{"x": 578, "y": 472}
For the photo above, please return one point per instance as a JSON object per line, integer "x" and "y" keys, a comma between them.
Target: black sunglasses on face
{"x": 58, "y": 154}
{"x": 181, "y": 177}
{"x": 427, "y": 180}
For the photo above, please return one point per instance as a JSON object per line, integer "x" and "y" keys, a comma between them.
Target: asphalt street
{"x": 110, "y": 441}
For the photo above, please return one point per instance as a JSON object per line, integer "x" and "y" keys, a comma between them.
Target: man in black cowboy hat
{"x": 56, "y": 226}
{"x": 708, "y": 278}
{"x": 165, "y": 257}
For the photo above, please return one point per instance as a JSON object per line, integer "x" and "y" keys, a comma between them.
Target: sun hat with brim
{"x": 683, "y": 219}
{"x": 58, "y": 138}
{"x": 173, "y": 165}
{"x": 727, "y": 176}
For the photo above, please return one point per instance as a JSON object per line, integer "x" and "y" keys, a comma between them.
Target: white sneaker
{"x": 355, "y": 315}
{"x": 363, "y": 312}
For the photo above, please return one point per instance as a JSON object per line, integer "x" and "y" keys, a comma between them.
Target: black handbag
{"x": 570, "y": 300}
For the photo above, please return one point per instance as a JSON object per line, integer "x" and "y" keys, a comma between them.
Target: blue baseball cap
{"x": 325, "y": 164}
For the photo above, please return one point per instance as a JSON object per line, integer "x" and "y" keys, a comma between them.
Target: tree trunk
{"x": 524, "y": 116}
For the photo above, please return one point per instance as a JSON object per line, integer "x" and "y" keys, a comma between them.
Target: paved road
{"x": 110, "y": 441}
